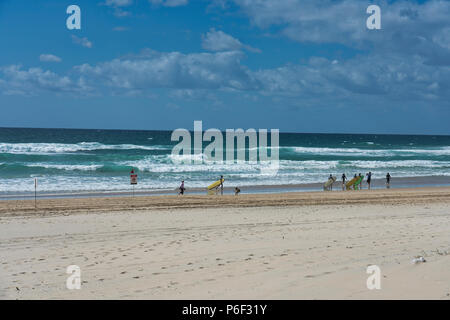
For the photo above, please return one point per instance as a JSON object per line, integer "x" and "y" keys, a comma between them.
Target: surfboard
{"x": 329, "y": 182}
{"x": 351, "y": 182}
{"x": 358, "y": 182}
{"x": 215, "y": 184}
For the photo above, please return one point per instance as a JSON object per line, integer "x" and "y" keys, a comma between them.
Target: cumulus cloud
{"x": 407, "y": 27}
{"x": 15, "y": 80}
{"x": 376, "y": 75}
{"x": 196, "y": 75}
{"x": 220, "y": 41}
{"x": 82, "y": 41}
{"x": 46, "y": 57}
{"x": 152, "y": 69}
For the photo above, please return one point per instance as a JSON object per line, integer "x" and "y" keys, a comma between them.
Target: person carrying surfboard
{"x": 331, "y": 185}
{"x": 359, "y": 186}
{"x": 344, "y": 177}
{"x": 369, "y": 177}
{"x": 221, "y": 185}
{"x": 388, "y": 180}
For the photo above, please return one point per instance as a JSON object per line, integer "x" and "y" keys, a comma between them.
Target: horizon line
{"x": 223, "y": 130}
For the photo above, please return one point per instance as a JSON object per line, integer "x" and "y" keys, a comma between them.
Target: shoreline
{"x": 401, "y": 182}
{"x": 67, "y": 206}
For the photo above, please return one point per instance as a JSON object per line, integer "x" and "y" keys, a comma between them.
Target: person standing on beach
{"x": 369, "y": 177}
{"x": 221, "y": 185}
{"x": 360, "y": 183}
{"x": 343, "y": 181}
{"x": 388, "y": 180}
{"x": 182, "y": 188}
{"x": 331, "y": 185}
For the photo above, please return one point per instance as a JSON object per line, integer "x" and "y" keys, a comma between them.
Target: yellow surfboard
{"x": 215, "y": 184}
{"x": 351, "y": 182}
{"x": 329, "y": 182}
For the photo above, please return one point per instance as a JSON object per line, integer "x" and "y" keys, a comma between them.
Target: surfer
{"x": 331, "y": 178}
{"x": 221, "y": 185}
{"x": 182, "y": 188}
{"x": 236, "y": 191}
{"x": 360, "y": 183}
{"x": 369, "y": 177}
{"x": 343, "y": 181}
{"x": 388, "y": 180}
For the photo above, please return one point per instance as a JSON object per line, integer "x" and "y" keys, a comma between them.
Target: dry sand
{"x": 269, "y": 246}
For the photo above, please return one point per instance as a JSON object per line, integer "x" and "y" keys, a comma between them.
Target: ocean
{"x": 78, "y": 160}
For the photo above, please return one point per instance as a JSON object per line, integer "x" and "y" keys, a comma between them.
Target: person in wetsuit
{"x": 369, "y": 178}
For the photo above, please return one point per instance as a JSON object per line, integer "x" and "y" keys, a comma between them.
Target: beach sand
{"x": 314, "y": 245}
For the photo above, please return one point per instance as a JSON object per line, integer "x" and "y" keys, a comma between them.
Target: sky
{"x": 293, "y": 65}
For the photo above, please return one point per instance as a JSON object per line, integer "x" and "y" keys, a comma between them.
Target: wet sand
{"x": 397, "y": 183}
{"x": 313, "y": 245}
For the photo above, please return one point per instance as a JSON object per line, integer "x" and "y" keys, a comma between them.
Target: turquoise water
{"x": 86, "y": 160}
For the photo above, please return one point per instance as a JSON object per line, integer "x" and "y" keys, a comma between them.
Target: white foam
{"x": 49, "y": 148}
{"x": 69, "y": 167}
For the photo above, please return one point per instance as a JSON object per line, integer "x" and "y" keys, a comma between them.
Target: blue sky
{"x": 295, "y": 65}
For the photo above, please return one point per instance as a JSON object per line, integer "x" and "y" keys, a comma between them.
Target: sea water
{"x": 71, "y": 160}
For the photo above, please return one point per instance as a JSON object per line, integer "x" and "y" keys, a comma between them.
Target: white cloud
{"x": 192, "y": 76}
{"x": 118, "y": 6}
{"x": 407, "y": 27}
{"x": 169, "y": 3}
{"x": 82, "y": 41}
{"x": 49, "y": 58}
{"x": 174, "y": 70}
{"x": 16, "y": 81}
{"x": 220, "y": 41}
{"x": 118, "y": 3}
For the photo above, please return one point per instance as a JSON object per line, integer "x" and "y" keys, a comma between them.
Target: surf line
{"x": 257, "y": 148}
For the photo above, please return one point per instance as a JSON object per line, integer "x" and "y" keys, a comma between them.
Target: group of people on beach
{"x": 343, "y": 177}
{"x": 217, "y": 189}
{"x": 368, "y": 180}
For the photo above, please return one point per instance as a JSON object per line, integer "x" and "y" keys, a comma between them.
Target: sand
{"x": 269, "y": 246}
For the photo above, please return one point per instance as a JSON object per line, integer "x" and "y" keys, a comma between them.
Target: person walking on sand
{"x": 369, "y": 178}
{"x": 388, "y": 180}
{"x": 331, "y": 185}
{"x": 221, "y": 185}
{"x": 182, "y": 188}
{"x": 343, "y": 181}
